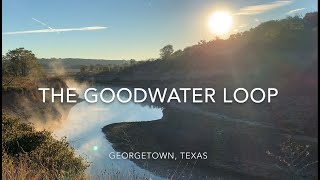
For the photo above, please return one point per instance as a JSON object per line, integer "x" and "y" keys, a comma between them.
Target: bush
{"x": 26, "y": 149}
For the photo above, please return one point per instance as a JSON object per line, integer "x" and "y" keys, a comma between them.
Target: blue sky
{"x": 125, "y": 29}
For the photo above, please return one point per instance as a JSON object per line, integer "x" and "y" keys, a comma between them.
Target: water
{"x": 83, "y": 129}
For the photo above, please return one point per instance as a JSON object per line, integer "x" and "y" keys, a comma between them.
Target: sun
{"x": 220, "y": 22}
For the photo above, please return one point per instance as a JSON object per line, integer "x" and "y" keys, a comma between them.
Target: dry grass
{"x": 20, "y": 169}
{"x": 18, "y": 83}
{"x": 36, "y": 155}
{"x": 31, "y": 154}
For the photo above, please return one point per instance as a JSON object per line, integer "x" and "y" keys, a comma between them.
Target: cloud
{"x": 295, "y": 10}
{"x": 257, "y": 9}
{"x": 92, "y": 28}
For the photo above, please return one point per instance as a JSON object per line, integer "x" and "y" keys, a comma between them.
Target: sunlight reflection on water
{"x": 83, "y": 129}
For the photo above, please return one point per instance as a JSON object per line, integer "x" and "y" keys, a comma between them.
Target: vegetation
{"x": 282, "y": 50}
{"x": 20, "y": 62}
{"x": 103, "y": 68}
{"x": 20, "y": 70}
{"x": 74, "y": 64}
{"x": 166, "y": 52}
{"x": 276, "y": 47}
{"x": 294, "y": 157}
{"x": 31, "y": 154}
{"x": 109, "y": 68}
{"x": 27, "y": 153}
{"x": 243, "y": 137}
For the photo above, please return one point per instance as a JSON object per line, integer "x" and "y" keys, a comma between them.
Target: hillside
{"x": 278, "y": 53}
{"x": 276, "y": 48}
{"x": 251, "y": 139}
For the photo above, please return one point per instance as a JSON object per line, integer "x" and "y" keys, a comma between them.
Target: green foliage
{"x": 21, "y": 141}
{"x": 20, "y": 62}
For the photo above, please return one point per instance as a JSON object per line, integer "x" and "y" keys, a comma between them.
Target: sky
{"x": 127, "y": 29}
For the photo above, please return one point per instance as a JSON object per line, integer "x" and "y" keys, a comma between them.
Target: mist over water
{"x": 83, "y": 129}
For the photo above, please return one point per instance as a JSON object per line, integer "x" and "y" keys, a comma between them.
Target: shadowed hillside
{"x": 244, "y": 138}
{"x": 274, "y": 49}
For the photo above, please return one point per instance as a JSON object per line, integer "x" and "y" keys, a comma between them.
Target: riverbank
{"x": 233, "y": 147}
{"x": 25, "y": 101}
{"x": 27, "y": 152}
{"x": 300, "y": 118}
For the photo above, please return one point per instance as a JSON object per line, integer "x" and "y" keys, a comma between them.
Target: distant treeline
{"x": 76, "y": 63}
{"x": 97, "y": 68}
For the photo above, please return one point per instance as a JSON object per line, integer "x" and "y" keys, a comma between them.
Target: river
{"x": 83, "y": 131}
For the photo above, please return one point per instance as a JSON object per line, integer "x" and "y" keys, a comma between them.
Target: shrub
{"x": 30, "y": 153}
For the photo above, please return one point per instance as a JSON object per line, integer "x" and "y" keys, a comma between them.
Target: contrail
{"x": 295, "y": 10}
{"x": 92, "y": 28}
{"x": 42, "y": 23}
{"x": 51, "y": 30}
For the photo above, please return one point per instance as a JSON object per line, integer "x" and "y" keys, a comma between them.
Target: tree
{"x": 19, "y": 62}
{"x": 91, "y": 67}
{"x": 311, "y": 19}
{"x": 177, "y": 53}
{"x": 98, "y": 67}
{"x": 166, "y": 51}
{"x": 132, "y": 61}
{"x": 83, "y": 68}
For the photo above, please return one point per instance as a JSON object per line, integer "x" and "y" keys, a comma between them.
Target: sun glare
{"x": 220, "y": 22}
{"x": 95, "y": 148}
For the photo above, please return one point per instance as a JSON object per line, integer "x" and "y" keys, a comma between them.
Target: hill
{"x": 273, "y": 49}
{"x": 251, "y": 139}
